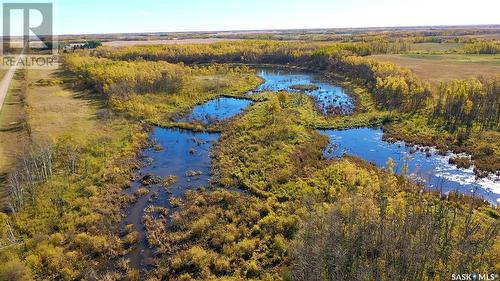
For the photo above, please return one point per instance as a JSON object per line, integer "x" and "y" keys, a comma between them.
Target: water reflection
{"x": 330, "y": 99}
{"x": 217, "y": 110}
{"x": 425, "y": 164}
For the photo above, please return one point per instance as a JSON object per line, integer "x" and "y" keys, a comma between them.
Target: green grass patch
{"x": 304, "y": 87}
{"x": 459, "y": 58}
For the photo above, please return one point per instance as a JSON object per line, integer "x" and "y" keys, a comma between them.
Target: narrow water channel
{"x": 180, "y": 153}
{"x": 186, "y": 155}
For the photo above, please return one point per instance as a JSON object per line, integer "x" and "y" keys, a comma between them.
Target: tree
{"x": 92, "y": 44}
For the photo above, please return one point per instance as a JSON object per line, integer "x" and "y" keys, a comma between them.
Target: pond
{"x": 330, "y": 99}
{"x": 216, "y": 110}
{"x": 425, "y": 165}
{"x": 180, "y": 153}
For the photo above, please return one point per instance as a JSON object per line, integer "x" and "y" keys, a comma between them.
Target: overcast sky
{"x": 118, "y": 16}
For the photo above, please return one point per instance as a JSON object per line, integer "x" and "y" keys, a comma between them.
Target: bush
{"x": 15, "y": 270}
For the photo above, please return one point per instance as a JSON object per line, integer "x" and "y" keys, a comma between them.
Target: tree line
{"x": 248, "y": 51}
{"x": 393, "y": 87}
{"x": 469, "y": 102}
{"x": 120, "y": 78}
{"x": 482, "y": 47}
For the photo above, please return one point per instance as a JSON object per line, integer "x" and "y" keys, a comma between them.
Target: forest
{"x": 275, "y": 208}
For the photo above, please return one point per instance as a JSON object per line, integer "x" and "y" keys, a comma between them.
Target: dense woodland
{"x": 482, "y": 48}
{"x": 122, "y": 78}
{"x": 470, "y": 102}
{"x": 393, "y": 87}
{"x": 299, "y": 217}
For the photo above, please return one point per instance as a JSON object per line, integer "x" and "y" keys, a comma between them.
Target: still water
{"x": 182, "y": 152}
{"x": 331, "y": 99}
{"x": 216, "y": 110}
{"x": 427, "y": 167}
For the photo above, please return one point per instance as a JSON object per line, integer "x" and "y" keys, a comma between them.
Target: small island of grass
{"x": 304, "y": 87}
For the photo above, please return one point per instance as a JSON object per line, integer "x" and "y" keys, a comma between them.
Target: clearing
{"x": 435, "y": 47}
{"x": 55, "y": 110}
{"x": 436, "y": 68}
{"x": 13, "y": 134}
{"x": 12, "y": 123}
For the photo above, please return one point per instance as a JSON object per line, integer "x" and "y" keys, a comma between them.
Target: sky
{"x": 133, "y": 16}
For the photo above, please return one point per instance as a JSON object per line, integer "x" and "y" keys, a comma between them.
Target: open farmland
{"x": 122, "y": 43}
{"x": 437, "y": 68}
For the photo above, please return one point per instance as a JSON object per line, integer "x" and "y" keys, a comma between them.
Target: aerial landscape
{"x": 218, "y": 144}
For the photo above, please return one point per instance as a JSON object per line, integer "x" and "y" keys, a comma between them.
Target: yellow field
{"x": 437, "y": 68}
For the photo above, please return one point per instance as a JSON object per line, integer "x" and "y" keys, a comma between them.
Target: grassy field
{"x": 54, "y": 110}
{"x": 50, "y": 111}
{"x": 435, "y": 47}
{"x": 43, "y": 113}
{"x": 12, "y": 123}
{"x": 13, "y": 136}
{"x": 446, "y": 67}
{"x": 2, "y": 70}
{"x": 459, "y": 58}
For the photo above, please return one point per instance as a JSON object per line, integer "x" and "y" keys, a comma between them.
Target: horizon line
{"x": 495, "y": 25}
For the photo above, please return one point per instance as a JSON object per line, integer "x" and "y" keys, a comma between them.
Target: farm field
{"x": 122, "y": 43}
{"x": 436, "y": 47}
{"x": 446, "y": 67}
